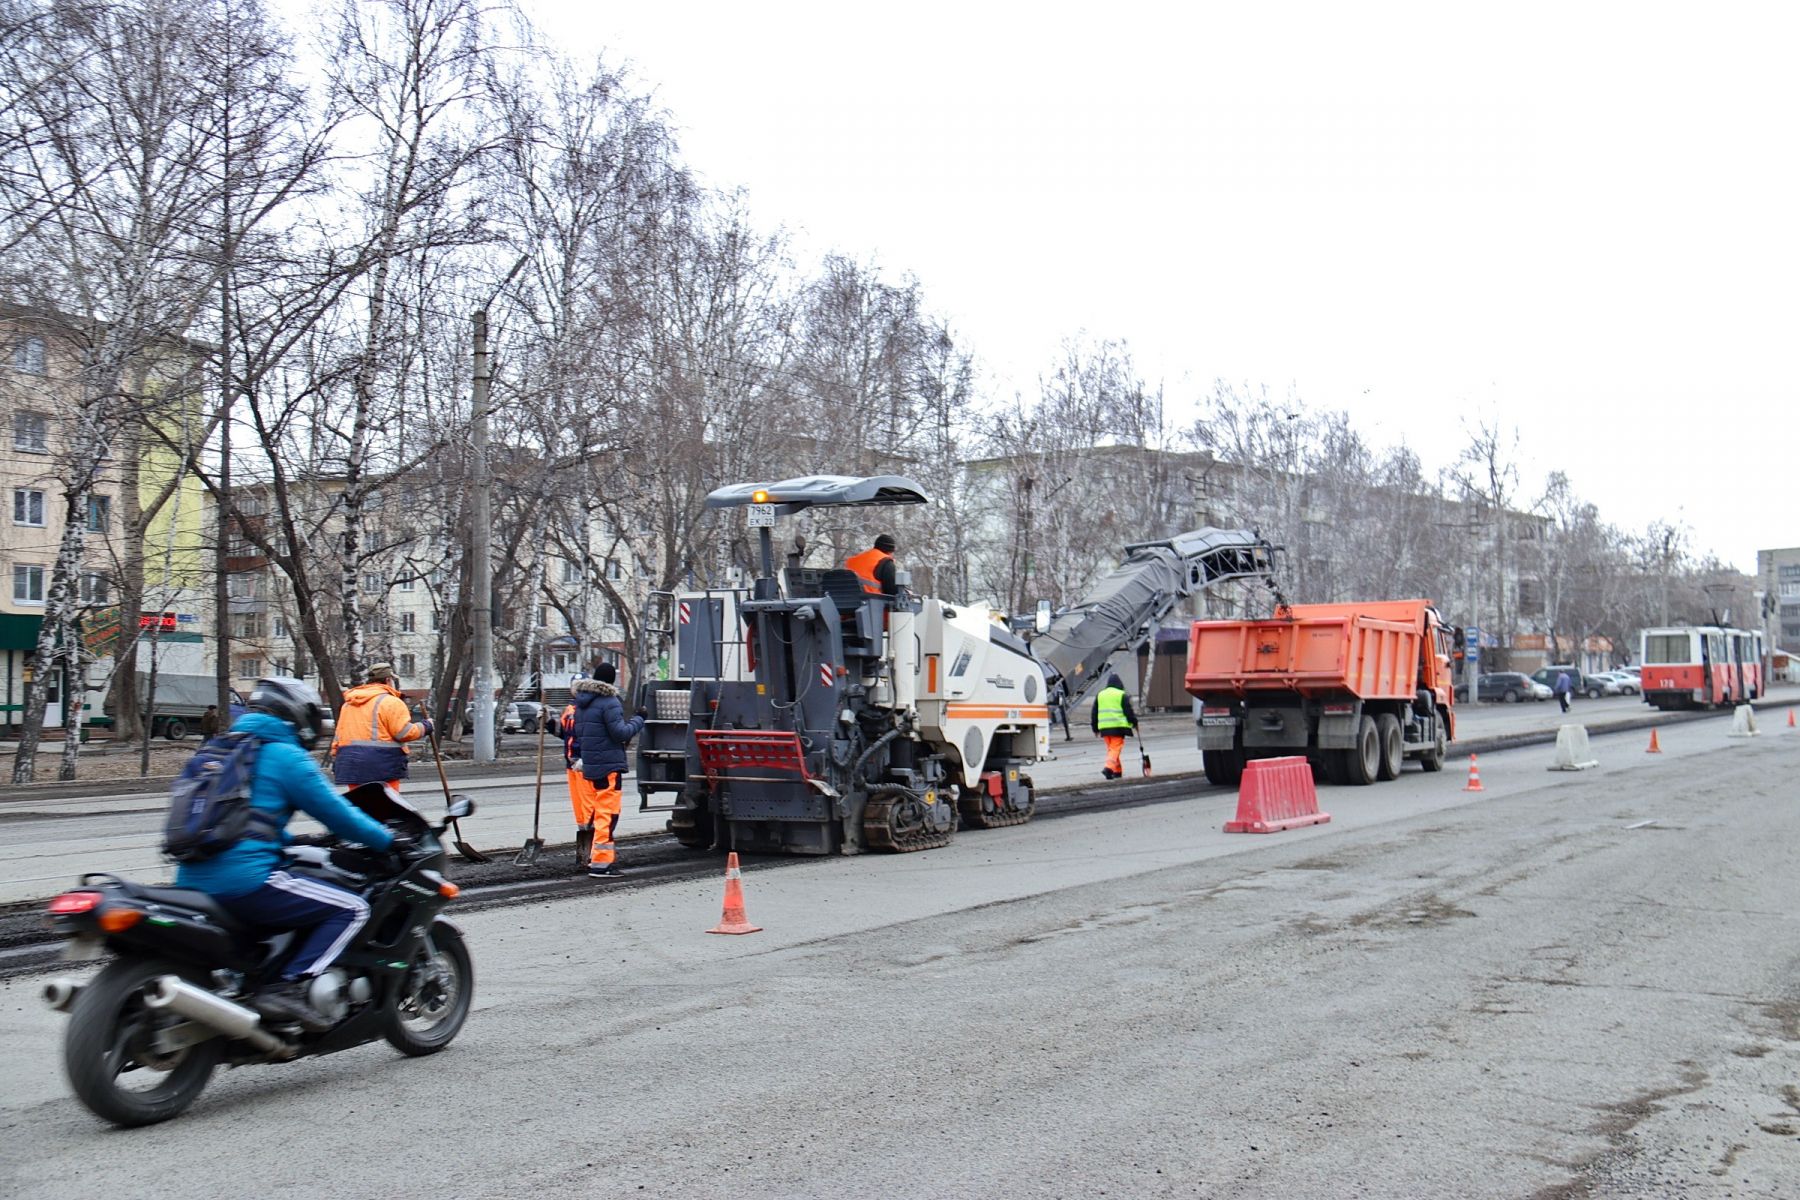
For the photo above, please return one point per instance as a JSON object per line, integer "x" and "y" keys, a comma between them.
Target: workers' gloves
{"x": 426, "y": 722}
{"x": 643, "y": 713}
{"x": 406, "y": 848}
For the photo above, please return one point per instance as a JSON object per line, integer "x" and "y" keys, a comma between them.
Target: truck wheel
{"x": 1362, "y": 763}
{"x": 175, "y": 729}
{"x": 1433, "y": 759}
{"x": 1335, "y": 770}
{"x": 1387, "y": 729}
{"x": 1225, "y": 768}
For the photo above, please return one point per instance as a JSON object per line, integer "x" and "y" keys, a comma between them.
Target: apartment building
{"x": 39, "y": 370}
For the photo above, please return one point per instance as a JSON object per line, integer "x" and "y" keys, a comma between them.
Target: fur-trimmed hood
{"x": 595, "y": 686}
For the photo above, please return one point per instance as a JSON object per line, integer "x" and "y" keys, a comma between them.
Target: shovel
{"x": 463, "y": 848}
{"x": 534, "y": 845}
{"x": 1143, "y": 753}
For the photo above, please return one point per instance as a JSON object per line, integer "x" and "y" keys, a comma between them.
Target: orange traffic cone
{"x": 734, "y": 920}
{"x": 1654, "y": 748}
{"x": 1474, "y": 784}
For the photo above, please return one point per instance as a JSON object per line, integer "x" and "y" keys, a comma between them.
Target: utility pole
{"x": 481, "y": 538}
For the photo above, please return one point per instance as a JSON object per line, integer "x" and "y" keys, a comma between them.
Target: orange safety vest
{"x": 864, "y": 565}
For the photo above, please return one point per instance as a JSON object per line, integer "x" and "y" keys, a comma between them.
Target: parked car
{"x": 1591, "y": 686}
{"x": 521, "y": 716}
{"x": 1509, "y": 687}
{"x": 1628, "y": 683}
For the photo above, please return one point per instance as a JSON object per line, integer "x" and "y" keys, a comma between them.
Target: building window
{"x": 377, "y": 623}
{"x": 281, "y": 666}
{"x": 571, "y": 571}
{"x": 99, "y": 514}
{"x": 29, "y": 358}
{"x": 241, "y": 585}
{"x": 28, "y": 584}
{"x": 409, "y": 623}
{"x": 249, "y": 667}
{"x": 614, "y": 570}
{"x": 31, "y": 432}
{"x": 95, "y": 587}
{"x": 28, "y": 507}
{"x": 246, "y": 625}
{"x": 408, "y": 585}
{"x": 407, "y": 664}
{"x": 372, "y": 583}
{"x": 279, "y": 624}
{"x": 437, "y": 620}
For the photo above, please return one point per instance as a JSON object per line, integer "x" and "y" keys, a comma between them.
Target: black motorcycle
{"x": 145, "y": 1034}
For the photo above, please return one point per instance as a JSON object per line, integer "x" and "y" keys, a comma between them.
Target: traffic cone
{"x": 1654, "y": 748}
{"x": 733, "y": 920}
{"x": 1474, "y": 784}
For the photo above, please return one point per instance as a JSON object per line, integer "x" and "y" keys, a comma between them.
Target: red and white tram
{"x": 1701, "y": 666}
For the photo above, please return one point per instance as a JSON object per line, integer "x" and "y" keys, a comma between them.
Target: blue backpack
{"x": 209, "y": 802}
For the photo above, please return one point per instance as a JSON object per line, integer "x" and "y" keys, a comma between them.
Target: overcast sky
{"x": 1579, "y": 220}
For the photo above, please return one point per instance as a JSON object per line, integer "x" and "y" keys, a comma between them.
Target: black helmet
{"x": 294, "y": 701}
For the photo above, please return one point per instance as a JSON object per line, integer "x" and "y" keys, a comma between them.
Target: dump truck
{"x": 1357, "y": 688}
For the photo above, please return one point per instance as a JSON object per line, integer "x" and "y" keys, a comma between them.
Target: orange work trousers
{"x": 1115, "y": 750}
{"x": 597, "y": 808}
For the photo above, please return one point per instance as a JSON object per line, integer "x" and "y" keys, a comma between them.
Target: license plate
{"x": 1218, "y": 720}
{"x": 760, "y": 516}
{"x": 82, "y": 949}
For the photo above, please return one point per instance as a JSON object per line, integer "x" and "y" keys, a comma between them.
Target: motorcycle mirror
{"x": 460, "y": 806}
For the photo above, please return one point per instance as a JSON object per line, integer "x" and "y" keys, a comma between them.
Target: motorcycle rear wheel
{"x": 110, "y": 1037}
{"x": 437, "y": 994}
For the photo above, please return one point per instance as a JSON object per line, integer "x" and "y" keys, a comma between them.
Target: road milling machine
{"x": 805, "y": 714}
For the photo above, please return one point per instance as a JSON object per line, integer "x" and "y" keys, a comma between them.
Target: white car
{"x": 1626, "y": 682}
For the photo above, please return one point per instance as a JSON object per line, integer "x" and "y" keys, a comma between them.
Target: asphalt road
{"x": 45, "y": 844}
{"x": 1570, "y": 984}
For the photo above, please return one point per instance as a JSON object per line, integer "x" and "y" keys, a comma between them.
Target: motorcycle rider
{"x": 288, "y": 717}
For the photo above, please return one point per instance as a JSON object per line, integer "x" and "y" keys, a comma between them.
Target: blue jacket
{"x": 287, "y": 779}
{"x": 601, "y": 729}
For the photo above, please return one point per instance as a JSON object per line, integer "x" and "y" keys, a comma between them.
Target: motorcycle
{"x": 146, "y": 1033}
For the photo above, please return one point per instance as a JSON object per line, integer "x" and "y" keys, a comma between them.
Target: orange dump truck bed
{"x": 1367, "y": 650}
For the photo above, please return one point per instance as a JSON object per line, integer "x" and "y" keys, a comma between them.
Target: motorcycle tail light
{"x": 448, "y": 890}
{"x": 70, "y": 903}
{"x": 118, "y": 920}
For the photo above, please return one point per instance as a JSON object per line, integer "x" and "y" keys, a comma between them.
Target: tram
{"x": 1701, "y": 666}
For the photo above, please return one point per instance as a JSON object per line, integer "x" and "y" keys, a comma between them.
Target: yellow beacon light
{"x": 759, "y": 496}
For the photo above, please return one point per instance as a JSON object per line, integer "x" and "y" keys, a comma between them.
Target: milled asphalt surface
{"x": 1569, "y": 985}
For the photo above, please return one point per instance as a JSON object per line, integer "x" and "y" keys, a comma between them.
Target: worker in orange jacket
{"x": 373, "y": 727}
{"x": 875, "y": 567}
{"x": 584, "y": 796}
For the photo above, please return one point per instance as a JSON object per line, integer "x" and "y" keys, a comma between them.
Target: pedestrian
{"x": 1113, "y": 719}
{"x": 209, "y": 721}
{"x": 875, "y": 567}
{"x": 602, "y": 731}
{"x": 249, "y": 879}
{"x": 373, "y": 728}
{"x": 1562, "y": 689}
{"x": 584, "y": 797}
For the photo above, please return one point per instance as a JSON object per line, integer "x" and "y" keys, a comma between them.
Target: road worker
{"x": 1113, "y": 719}
{"x": 584, "y": 797}
{"x": 875, "y": 567}
{"x": 373, "y": 728}
{"x": 602, "y": 731}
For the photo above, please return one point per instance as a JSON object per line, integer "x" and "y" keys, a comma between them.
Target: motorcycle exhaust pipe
{"x": 215, "y": 1012}
{"x": 60, "y": 994}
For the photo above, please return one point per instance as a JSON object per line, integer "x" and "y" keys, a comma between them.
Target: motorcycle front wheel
{"x": 114, "y": 1055}
{"x": 434, "y": 1001}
